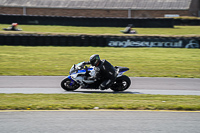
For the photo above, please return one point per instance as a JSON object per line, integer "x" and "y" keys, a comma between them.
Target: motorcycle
{"x": 79, "y": 76}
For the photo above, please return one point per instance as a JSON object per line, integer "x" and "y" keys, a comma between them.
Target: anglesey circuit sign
{"x": 144, "y": 43}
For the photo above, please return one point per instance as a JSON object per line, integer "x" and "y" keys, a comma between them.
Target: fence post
{"x": 129, "y": 13}
{"x": 24, "y": 10}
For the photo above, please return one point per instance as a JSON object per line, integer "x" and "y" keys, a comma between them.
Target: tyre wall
{"x": 103, "y": 22}
{"x": 183, "y": 22}
{"x": 99, "y": 41}
{"x": 87, "y": 21}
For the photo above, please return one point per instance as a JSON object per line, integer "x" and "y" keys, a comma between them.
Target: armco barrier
{"x": 87, "y": 21}
{"x": 99, "y": 41}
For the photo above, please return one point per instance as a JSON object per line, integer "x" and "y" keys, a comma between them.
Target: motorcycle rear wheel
{"x": 121, "y": 83}
{"x": 69, "y": 85}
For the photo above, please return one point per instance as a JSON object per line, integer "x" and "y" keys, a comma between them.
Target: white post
{"x": 24, "y": 10}
{"x": 129, "y": 13}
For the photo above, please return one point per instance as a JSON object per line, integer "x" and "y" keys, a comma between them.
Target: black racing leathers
{"x": 106, "y": 72}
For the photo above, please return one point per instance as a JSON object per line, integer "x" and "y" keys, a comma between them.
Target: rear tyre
{"x": 121, "y": 83}
{"x": 69, "y": 85}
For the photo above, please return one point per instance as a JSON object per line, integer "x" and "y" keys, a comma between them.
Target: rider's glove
{"x": 86, "y": 63}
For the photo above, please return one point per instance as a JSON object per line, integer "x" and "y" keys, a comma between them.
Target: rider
{"x": 14, "y": 26}
{"x": 103, "y": 70}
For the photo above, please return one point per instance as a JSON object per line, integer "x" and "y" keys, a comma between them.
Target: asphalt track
{"x": 99, "y": 122}
{"x": 140, "y": 85}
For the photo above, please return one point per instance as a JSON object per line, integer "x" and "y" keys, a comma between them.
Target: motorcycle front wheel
{"x": 69, "y": 85}
{"x": 121, "y": 83}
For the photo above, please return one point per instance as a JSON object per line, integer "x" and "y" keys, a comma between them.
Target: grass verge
{"x": 50, "y": 29}
{"x": 102, "y": 101}
{"x": 143, "y": 62}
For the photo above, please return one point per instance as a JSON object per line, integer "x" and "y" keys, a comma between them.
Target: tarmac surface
{"x": 99, "y": 122}
{"x": 139, "y": 85}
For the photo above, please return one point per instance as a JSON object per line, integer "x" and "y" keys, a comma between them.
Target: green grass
{"x": 186, "y": 17}
{"x": 143, "y": 62}
{"x": 177, "y": 30}
{"x": 103, "y": 101}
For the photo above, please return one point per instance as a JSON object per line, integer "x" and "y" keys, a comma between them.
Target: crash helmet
{"x": 14, "y": 24}
{"x": 95, "y": 60}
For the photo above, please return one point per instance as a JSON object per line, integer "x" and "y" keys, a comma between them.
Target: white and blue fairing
{"x": 78, "y": 69}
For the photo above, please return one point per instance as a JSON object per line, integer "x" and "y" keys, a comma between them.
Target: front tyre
{"x": 69, "y": 85}
{"x": 121, "y": 83}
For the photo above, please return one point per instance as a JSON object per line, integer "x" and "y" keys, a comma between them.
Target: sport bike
{"x": 81, "y": 76}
